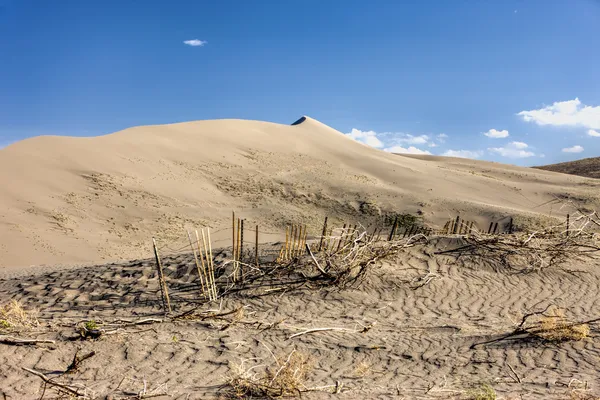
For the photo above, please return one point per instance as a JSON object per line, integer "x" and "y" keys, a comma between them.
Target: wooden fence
{"x": 246, "y": 252}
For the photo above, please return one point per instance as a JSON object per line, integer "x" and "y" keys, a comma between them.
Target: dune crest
{"x": 68, "y": 200}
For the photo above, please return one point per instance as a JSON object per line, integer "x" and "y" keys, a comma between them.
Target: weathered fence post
{"x": 568, "y": 225}
{"x": 323, "y": 234}
{"x": 456, "y": 224}
{"x": 490, "y": 228}
{"x": 256, "y": 249}
{"x": 510, "y": 226}
{"x": 242, "y": 240}
{"x": 164, "y": 291}
{"x": 495, "y": 228}
{"x": 197, "y": 264}
{"x": 233, "y": 243}
{"x": 393, "y": 229}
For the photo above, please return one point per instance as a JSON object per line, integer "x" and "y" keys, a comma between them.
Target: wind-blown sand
{"x": 72, "y": 200}
{"x": 70, "y": 204}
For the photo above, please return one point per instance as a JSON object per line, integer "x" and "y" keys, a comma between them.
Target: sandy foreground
{"x": 417, "y": 325}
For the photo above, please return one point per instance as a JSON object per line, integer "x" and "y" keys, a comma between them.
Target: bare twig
{"x": 10, "y": 340}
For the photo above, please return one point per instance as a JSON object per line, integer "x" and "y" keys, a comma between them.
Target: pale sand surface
{"x": 418, "y": 347}
{"x": 72, "y": 200}
{"x": 70, "y": 205}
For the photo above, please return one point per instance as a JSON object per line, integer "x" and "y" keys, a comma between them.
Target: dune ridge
{"x": 92, "y": 199}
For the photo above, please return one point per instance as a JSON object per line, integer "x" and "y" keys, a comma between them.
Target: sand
{"x": 418, "y": 345}
{"x": 83, "y": 200}
{"x": 76, "y": 211}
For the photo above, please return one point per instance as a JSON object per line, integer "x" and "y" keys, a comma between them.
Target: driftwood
{"x": 15, "y": 341}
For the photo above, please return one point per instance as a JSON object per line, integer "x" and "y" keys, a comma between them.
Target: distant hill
{"x": 588, "y": 167}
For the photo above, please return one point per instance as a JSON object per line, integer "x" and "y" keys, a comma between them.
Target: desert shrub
{"x": 285, "y": 378}
{"x": 553, "y": 326}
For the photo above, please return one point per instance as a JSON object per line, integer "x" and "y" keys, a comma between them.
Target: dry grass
{"x": 363, "y": 369}
{"x": 14, "y": 317}
{"x": 483, "y": 392}
{"x": 553, "y": 326}
{"x": 577, "y": 395}
{"x": 286, "y": 377}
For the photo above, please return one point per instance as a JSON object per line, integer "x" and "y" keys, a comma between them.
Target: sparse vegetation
{"x": 483, "y": 392}
{"x": 552, "y": 325}
{"x": 14, "y": 317}
{"x": 287, "y": 377}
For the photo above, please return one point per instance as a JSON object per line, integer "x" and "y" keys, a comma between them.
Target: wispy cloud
{"x": 593, "y": 133}
{"x": 409, "y": 150}
{"x": 389, "y": 139}
{"x": 367, "y": 137}
{"x": 195, "y": 42}
{"x": 513, "y": 150}
{"x": 495, "y": 134}
{"x": 410, "y": 139}
{"x": 463, "y": 153}
{"x": 565, "y": 113}
{"x": 574, "y": 149}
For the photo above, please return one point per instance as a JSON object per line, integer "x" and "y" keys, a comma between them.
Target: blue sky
{"x": 413, "y": 76}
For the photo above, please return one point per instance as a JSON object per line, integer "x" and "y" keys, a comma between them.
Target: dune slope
{"x": 72, "y": 200}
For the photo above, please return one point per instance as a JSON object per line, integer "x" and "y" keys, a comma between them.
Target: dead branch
{"x": 77, "y": 360}
{"x": 321, "y": 330}
{"x": 15, "y": 341}
{"x": 65, "y": 388}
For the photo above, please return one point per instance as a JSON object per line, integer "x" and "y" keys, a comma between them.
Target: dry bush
{"x": 534, "y": 251}
{"x": 552, "y": 325}
{"x": 555, "y": 327}
{"x": 286, "y": 377}
{"x": 14, "y": 317}
{"x": 349, "y": 262}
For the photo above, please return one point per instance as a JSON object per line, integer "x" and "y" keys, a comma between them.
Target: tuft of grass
{"x": 13, "y": 316}
{"x": 363, "y": 369}
{"x": 483, "y": 392}
{"x": 90, "y": 325}
{"x": 553, "y": 326}
{"x": 285, "y": 378}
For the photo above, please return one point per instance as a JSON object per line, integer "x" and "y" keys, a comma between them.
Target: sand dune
{"x": 71, "y": 200}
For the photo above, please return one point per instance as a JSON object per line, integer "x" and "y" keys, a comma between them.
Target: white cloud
{"x": 513, "y": 150}
{"x": 495, "y": 134}
{"x": 367, "y": 137}
{"x": 409, "y": 150}
{"x": 389, "y": 139}
{"x": 565, "y": 113}
{"x": 432, "y": 144}
{"x": 519, "y": 145}
{"x": 574, "y": 149}
{"x": 593, "y": 133}
{"x": 463, "y": 153}
{"x": 410, "y": 139}
{"x": 195, "y": 42}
